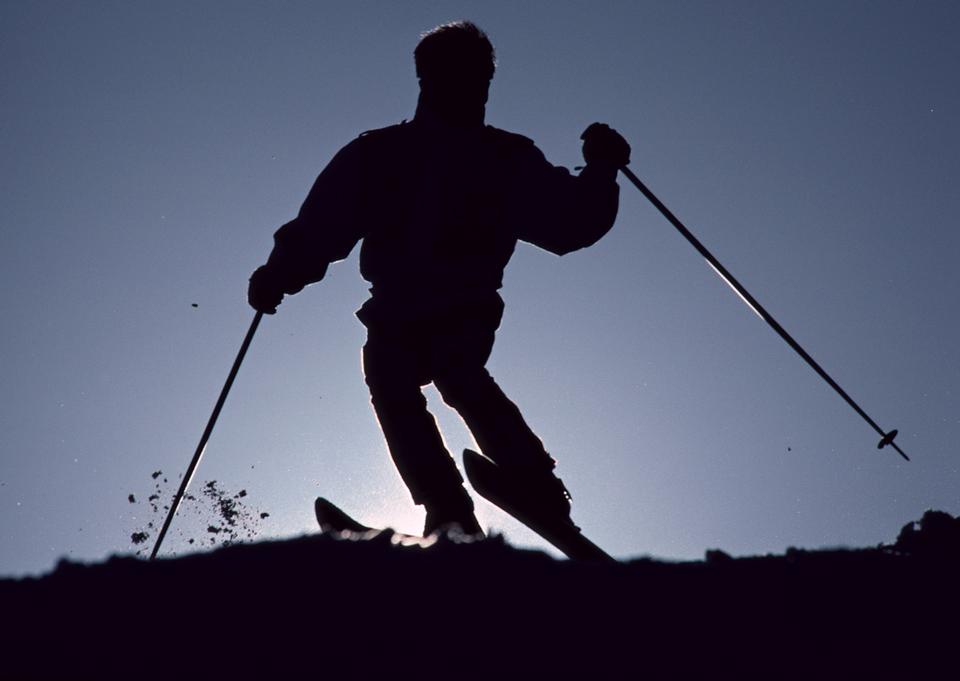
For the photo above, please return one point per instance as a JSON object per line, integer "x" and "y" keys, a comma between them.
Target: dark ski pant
{"x": 449, "y": 350}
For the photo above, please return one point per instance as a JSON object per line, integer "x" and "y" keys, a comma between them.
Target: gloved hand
{"x": 604, "y": 146}
{"x": 265, "y": 291}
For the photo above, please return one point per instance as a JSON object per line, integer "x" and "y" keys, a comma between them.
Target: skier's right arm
{"x": 325, "y": 230}
{"x": 561, "y": 212}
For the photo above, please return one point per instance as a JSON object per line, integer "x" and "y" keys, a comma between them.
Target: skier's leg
{"x": 495, "y": 422}
{"x": 416, "y": 446}
{"x": 459, "y": 355}
{"x": 460, "y": 349}
{"x": 504, "y": 436}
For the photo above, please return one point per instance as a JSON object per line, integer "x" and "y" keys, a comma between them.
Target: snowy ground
{"x": 357, "y": 606}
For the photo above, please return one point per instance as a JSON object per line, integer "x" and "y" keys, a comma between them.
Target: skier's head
{"x": 455, "y": 63}
{"x": 455, "y": 51}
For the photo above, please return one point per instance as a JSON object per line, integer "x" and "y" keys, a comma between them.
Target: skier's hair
{"x": 457, "y": 50}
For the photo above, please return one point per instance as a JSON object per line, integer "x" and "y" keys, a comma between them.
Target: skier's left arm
{"x": 562, "y": 212}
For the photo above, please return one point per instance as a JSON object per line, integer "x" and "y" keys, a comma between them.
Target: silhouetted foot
{"x": 467, "y": 525}
{"x": 454, "y": 510}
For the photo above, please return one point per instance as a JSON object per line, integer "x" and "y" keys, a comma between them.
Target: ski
{"x": 332, "y": 518}
{"x": 490, "y": 482}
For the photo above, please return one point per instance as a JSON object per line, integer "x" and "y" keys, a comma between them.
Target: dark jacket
{"x": 439, "y": 214}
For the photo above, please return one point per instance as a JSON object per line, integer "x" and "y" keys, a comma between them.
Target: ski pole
{"x": 885, "y": 438}
{"x": 206, "y": 433}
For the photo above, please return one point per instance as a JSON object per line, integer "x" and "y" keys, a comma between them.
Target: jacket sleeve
{"x": 328, "y": 226}
{"x": 558, "y": 211}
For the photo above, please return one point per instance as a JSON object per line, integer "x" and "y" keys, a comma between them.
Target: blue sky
{"x": 150, "y": 150}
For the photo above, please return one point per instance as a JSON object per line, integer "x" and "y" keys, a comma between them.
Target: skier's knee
{"x": 384, "y": 391}
{"x": 457, "y": 386}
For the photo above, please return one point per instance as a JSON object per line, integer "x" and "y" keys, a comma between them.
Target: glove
{"x": 265, "y": 291}
{"x": 604, "y": 146}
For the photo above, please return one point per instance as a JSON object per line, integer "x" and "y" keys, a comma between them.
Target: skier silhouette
{"x": 440, "y": 203}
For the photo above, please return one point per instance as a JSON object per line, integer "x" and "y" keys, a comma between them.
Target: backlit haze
{"x": 149, "y": 150}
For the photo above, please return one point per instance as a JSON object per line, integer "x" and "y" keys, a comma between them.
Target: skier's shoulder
{"x": 510, "y": 140}
{"x": 388, "y": 136}
{"x": 372, "y": 145}
{"x": 513, "y": 144}
{"x": 386, "y": 133}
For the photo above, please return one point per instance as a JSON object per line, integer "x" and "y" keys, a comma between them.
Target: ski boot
{"x": 449, "y": 512}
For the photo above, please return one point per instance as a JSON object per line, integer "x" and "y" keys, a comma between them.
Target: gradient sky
{"x": 149, "y": 150}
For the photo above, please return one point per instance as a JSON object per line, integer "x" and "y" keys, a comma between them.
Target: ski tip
{"x": 472, "y": 459}
{"x": 332, "y": 518}
{"x": 323, "y": 510}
